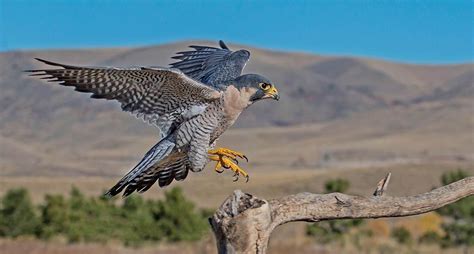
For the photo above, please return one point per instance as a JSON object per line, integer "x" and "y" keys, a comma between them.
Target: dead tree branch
{"x": 243, "y": 223}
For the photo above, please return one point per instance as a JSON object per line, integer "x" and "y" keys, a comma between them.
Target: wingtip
{"x": 44, "y": 61}
{"x": 35, "y": 72}
{"x": 56, "y": 64}
{"x": 111, "y": 193}
{"x": 223, "y": 45}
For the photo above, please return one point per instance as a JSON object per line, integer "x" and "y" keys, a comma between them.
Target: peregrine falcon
{"x": 192, "y": 104}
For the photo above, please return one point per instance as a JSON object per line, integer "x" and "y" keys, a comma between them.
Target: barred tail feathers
{"x": 149, "y": 161}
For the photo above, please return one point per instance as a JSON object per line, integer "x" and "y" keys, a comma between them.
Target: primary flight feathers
{"x": 192, "y": 104}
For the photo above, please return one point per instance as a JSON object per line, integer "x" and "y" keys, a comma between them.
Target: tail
{"x": 152, "y": 158}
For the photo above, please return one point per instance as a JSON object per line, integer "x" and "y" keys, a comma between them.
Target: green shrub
{"x": 453, "y": 176}
{"x": 178, "y": 218}
{"x": 87, "y": 219}
{"x": 336, "y": 185}
{"x": 430, "y": 237}
{"x": 142, "y": 226}
{"x": 402, "y": 235}
{"x": 54, "y": 216}
{"x": 459, "y": 227}
{"x": 333, "y": 230}
{"x": 17, "y": 214}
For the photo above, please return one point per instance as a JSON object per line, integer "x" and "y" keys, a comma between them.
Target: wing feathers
{"x": 159, "y": 95}
{"x": 156, "y": 92}
{"x": 222, "y": 44}
{"x": 211, "y": 65}
{"x": 57, "y": 64}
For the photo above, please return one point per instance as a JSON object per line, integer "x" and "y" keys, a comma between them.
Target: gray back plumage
{"x": 210, "y": 65}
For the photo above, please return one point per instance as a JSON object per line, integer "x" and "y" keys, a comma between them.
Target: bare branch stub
{"x": 240, "y": 222}
{"x": 243, "y": 224}
{"x": 382, "y": 185}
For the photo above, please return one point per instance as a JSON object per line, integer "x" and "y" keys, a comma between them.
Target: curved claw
{"x": 229, "y": 159}
{"x": 236, "y": 161}
{"x": 219, "y": 170}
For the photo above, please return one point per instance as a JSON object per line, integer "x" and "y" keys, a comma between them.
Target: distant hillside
{"x": 51, "y": 127}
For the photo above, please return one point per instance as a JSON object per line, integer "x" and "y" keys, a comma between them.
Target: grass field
{"x": 208, "y": 189}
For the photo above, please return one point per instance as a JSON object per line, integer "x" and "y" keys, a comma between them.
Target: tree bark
{"x": 244, "y": 223}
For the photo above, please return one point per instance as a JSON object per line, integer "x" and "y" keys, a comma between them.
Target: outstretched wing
{"x": 212, "y": 65}
{"x": 160, "y": 96}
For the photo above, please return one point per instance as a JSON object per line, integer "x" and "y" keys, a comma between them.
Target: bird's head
{"x": 262, "y": 87}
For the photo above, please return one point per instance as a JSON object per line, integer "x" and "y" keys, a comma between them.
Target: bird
{"x": 192, "y": 103}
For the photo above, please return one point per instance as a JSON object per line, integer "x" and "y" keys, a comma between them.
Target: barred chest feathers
{"x": 194, "y": 111}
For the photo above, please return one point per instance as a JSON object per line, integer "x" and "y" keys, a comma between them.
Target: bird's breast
{"x": 235, "y": 101}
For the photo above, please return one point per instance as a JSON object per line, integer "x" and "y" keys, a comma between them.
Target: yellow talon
{"x": 228, "y": 159}
{"x": 237, "y": 170}
{"x": 218, "y": 164}
{"x": 228, "y": 153}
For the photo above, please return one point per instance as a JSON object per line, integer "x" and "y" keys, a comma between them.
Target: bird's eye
{"x": 265, "y": 86}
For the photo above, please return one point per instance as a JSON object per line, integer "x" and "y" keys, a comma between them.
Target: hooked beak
{"x": 272, "y": 93}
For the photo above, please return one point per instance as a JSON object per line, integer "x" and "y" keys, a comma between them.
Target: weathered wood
{"x": 243, "y": 223}
{"x": 382, "y": 185}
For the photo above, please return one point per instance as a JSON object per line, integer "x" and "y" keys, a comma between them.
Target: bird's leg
{"x": 228, "y": 159}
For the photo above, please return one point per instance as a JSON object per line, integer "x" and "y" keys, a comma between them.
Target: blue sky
{"x": 410, "y": 31}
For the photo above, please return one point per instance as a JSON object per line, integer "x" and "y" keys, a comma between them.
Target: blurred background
{"x": 367, "y": 88}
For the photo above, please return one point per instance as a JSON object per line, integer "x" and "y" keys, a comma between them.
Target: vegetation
{"x": 458, "y": 221}
{"x": 459, "y": 225}
{"x": 402, "y": 235}
{"x": 82, "y": 219}
{"x": 135, "y": 221}
{"x": 430, "y": 237}
{"x": 17, "y": 214}
{"x": 333, "y": 230}
{"x": 336, "y": 185}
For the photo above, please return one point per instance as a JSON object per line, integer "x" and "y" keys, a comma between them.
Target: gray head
{"x": 264, "y": 88}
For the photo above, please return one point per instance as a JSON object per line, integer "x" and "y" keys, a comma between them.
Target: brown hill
{"x": 353, "y": 109}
